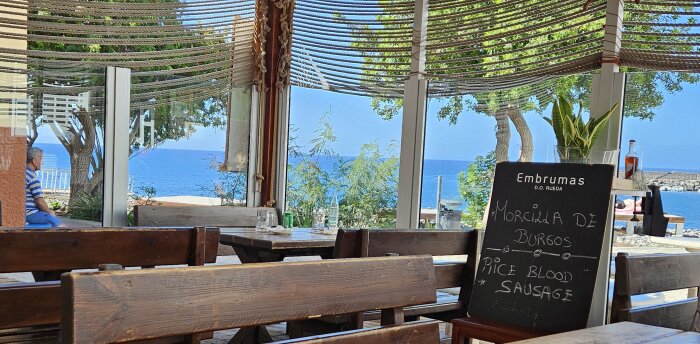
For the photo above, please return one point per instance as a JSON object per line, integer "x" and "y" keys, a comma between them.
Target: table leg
{"x": 245, "y": 256}
{"x": 250, "y": 255}
{"x": 254, "y": 334}
{"x": 249, "y": 335}
{"x": 679, "y": 229}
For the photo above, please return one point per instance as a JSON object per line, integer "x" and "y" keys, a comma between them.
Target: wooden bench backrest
{"x": 30, "y": 304}
{"x": 198, "y": 215}
{"x": 106, "y": 307}
{"x": 645, "y": 274}
{"x": 69, "y": 249}
{"x": 404, "y": 242}
{"x": 33, "y": 304}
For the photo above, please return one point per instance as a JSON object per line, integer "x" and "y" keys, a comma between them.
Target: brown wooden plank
{"x": 417, "y": 242}
{"x": 490, "y": 331}
{"x": 621, "y": 297}
{"x": 647, "y": 274}
{"x": 127, "y": 305}
{"x": 677, "y": 315}
{"x": 683, "y": 338}
{"x": 31, "y": 304}
{"x": 449, "y": 275}
{"x": 619, "y": 333}
{"x": 392, "y": 316}
{"x": 66, "y": 249}
{"x": 404, "y": 242}
{"x": 198, "y": 247}
{"x": 35, "y": 334}
{"x": 420, "y": 332}
{"x": 195, "y": 215}
{"x": 658, "y": 272}
{"x": 347, "y": 244}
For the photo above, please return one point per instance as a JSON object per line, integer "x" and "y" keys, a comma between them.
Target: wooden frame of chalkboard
{"x": 542, "y": 245}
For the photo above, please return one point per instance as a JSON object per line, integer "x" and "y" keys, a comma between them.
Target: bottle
{"x": 333, "y": 213}
{"x": 631, "y": 160}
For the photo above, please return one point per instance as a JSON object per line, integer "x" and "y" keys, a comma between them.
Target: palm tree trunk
{"x": 516, "y": 116}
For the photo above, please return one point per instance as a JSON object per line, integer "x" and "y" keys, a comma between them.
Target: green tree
{"x": 308, "y": 184}
{"x": 475, "y": 188}
{"x": 489, "y": 54}
{"x": 230, "y": 187}
{"x": 366, "y": 186}
{"x": 83, "y": 137}
{"x": 370, "y": 188}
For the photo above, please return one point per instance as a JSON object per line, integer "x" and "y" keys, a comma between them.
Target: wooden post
{"x": 275, "y": 78}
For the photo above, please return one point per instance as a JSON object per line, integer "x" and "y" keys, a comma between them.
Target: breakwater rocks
{"x": 676, "y": 185}
{"x": 673, "y": 181}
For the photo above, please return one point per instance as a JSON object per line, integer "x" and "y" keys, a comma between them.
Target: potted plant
{"x": 575, "y": 137}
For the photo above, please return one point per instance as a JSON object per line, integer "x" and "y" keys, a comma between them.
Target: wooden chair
{"x": 119, "y": 306}
{"x": 464, "y": 329}
{"x": 38, "y": 304}
{"x": 653, "y": 273}
{"x": 383, "y": 242}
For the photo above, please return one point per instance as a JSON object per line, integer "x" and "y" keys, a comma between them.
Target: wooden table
{"x": 620, "y": 333}
{"x": 259, "y": 247}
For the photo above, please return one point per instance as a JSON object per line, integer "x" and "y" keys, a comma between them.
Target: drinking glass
{"x": 270, "y": 218}
{"x": 318, "y": 219}
{"x": 263, "y": 220}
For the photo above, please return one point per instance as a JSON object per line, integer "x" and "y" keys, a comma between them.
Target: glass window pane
{"x": 466, "y": 135}
{"x": 340, "y": 147}
{"x": 660, "y": 116}
{"x": 178, "y": 150}
{"x": 61, "y": 111}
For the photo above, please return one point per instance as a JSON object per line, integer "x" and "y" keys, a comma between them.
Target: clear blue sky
{"x": 669, "y": 141}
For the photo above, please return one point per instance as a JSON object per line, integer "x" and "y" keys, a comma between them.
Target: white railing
{"x": 54, "y": 180}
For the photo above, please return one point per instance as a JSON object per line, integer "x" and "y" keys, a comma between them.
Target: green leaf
{"x": 602, "y": 121}
{"x": 558, "y": 124}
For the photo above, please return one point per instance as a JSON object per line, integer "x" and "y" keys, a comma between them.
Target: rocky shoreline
{"x": 677, "y": 185}
{"x": 674, "y": 181}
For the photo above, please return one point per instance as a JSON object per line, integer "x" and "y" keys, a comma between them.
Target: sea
{"x": 175, "y": 172}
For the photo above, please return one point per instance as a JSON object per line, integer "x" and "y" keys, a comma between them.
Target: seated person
{"x": 627, "y": 206}
{"x": 37, "y": 211}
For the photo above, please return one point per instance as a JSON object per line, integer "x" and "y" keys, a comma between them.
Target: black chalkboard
{"x": 542, "y": 244}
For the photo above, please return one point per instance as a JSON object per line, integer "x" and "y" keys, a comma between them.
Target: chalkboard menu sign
{"x": 542, "y": 244}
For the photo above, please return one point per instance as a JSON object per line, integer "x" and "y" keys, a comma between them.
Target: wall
{"x": 12, "y": 157}
{"x": 12, "y": 128}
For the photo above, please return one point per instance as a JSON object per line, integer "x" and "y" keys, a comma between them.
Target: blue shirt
{"x": 33, "y": 191}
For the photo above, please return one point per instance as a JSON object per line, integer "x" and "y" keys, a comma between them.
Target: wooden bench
{"x": 653, "y": 273}
{"x": 200, "y": 215}
{"x": 119, "y": 306}
{"x": 382, "y": 242}
{"x": 38, "y": 304}
{"x": 678, "y": 221}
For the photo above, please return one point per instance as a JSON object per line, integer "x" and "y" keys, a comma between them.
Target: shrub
{"x": 87, "y": 207}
